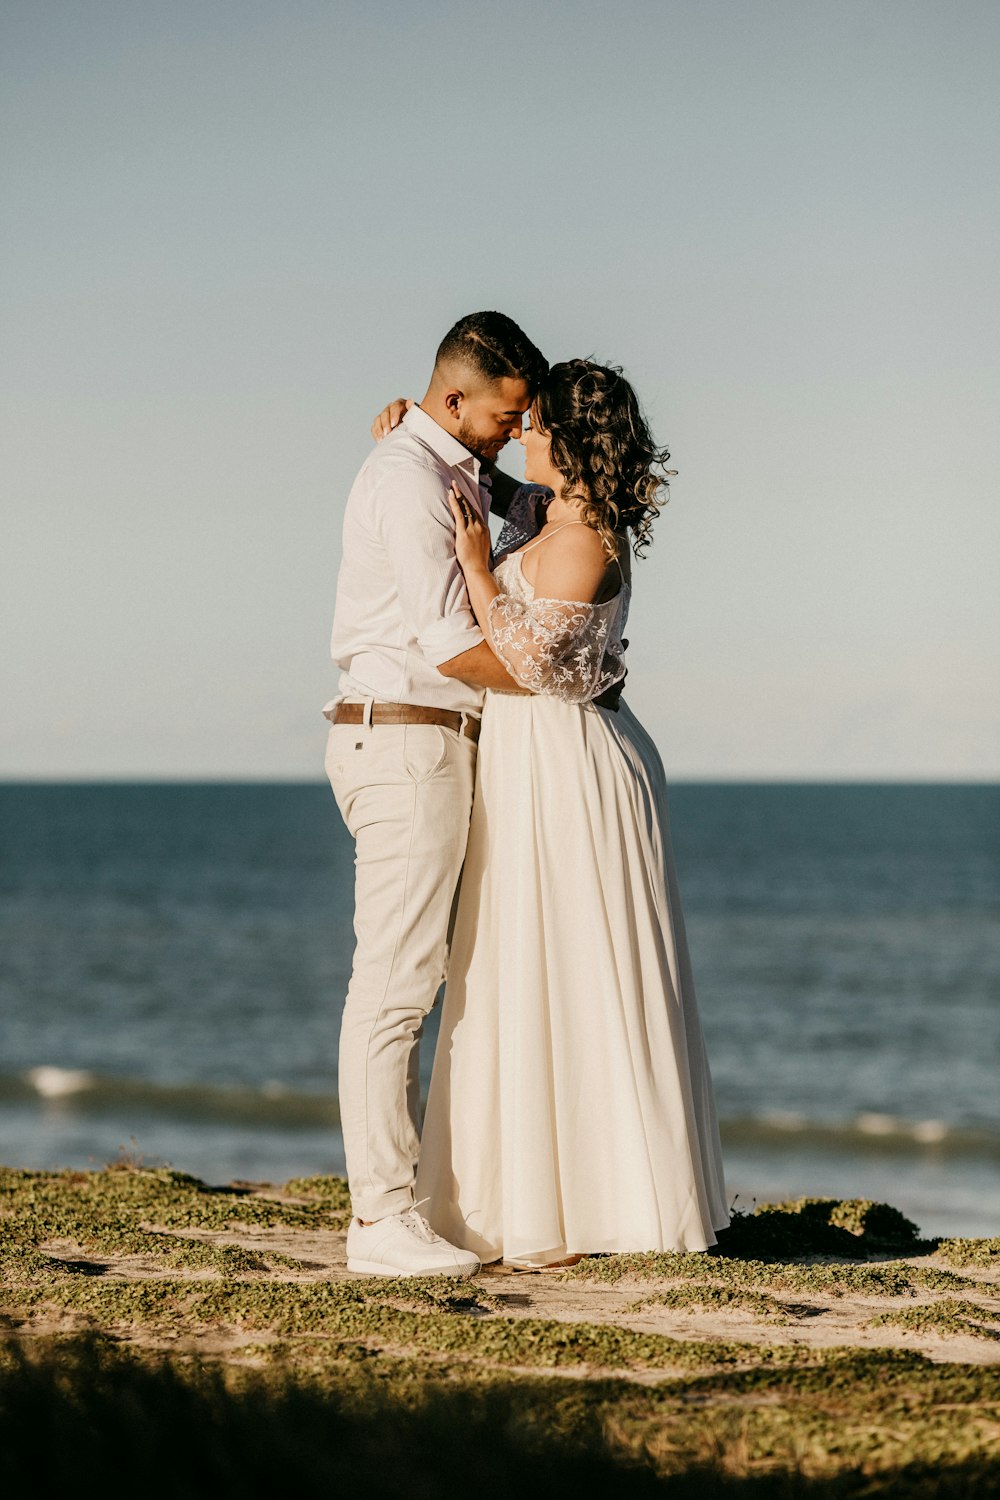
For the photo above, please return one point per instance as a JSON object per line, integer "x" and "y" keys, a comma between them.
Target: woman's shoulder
{"x": 573, "y": 563}
{"x": 576, "y": 539}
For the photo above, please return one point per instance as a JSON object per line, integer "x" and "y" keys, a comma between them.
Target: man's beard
{"x": 469, "y": 438}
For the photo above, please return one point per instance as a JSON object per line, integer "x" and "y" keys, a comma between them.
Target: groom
{"x": 401, "y": 758}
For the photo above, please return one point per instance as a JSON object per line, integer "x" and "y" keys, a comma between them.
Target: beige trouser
{"x": 405, "y": 793}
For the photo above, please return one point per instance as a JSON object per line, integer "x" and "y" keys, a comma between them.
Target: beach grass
{"x": 171, "y": 1338}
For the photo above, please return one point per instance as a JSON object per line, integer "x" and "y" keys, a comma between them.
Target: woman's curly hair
{"x": 603, "y": 447}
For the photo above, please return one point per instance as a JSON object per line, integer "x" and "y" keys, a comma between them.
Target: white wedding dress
{"x": 570, "y": 1108}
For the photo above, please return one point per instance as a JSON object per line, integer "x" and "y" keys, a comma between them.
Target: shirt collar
{"x": 447, "y": 448}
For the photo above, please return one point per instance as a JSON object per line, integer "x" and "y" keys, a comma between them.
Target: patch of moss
{"x": 19, "y": 1261}
{"x": 277, "y": 1261}
{"x": 893, "y": 1279}
{"x": 934, "y": 1279}
{"x": 949, "y": 1316}
{"x": 24, "y": 1263}
{"x": 406, "y": 1314}
{"x": 685, "y": 1297}
{"x": 179, "y": 1429}
{"x": 879, "y": 1224}
{"x": 860, "y": 1423}
{"x": 844, "y": 1374}
{"x": 107, "y": 1211}
{"x": 781, "y": 1232}
{"x": 333, "y": 1191}
{"x": 851, "y": 1227}
{"x": 228, "y": 1260}
{"x": 959, "y": 1252}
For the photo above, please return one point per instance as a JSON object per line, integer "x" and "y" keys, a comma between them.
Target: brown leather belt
{"x": 407, "y": 713}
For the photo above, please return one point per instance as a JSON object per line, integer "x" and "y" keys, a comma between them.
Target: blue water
{"x": 173, "y": 960}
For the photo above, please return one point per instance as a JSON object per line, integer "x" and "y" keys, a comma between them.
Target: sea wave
{"x": 273, "y": 1105}
{"x": 867, "y": 1134}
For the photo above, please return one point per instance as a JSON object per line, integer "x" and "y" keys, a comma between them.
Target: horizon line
{"x": 679, "y": 778}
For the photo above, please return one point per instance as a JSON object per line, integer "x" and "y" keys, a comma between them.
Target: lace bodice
{"x": 564, "y": 648}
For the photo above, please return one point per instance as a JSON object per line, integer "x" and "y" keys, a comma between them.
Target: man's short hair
{"x": 494, "y": 346}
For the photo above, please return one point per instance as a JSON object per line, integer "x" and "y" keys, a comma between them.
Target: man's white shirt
{"x": 402, "y": 607}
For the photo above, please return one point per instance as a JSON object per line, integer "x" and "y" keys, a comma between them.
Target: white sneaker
{"x": 405, "y": 1245}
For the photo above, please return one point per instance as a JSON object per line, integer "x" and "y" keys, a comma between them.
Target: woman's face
{"x": 538, "y": 467}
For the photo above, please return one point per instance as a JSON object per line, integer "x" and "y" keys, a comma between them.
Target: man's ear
{"x": 453, "y": 401}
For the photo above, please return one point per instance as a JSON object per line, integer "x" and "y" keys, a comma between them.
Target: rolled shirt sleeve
{"x": 416, "y": 529}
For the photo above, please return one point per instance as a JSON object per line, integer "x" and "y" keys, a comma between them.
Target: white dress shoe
{"x": 405, "y": 1245}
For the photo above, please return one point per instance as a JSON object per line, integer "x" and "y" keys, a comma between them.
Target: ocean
{"x": 173, "y": 960}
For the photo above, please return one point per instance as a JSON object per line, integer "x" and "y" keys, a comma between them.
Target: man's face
{"x": 490, "y": 416}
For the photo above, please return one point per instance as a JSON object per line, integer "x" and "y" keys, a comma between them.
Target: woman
{"x": 570, "y": 1109}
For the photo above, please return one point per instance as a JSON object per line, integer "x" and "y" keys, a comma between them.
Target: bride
{"x": 570, "y": 1109}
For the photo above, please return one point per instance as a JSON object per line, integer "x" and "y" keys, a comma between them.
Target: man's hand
{"x": 478, "y": 667}
{"x": 611, "y": 697}
{"x": 390, "y": 416}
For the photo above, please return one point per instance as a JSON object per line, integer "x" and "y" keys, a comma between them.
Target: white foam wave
{"x": 784, "y": 1119}
{"x": 58, "y": 1083}
{"x": 872, "y": 1124}
{"x": 869, "y": 1131}
{"x": 930, "y": 1131}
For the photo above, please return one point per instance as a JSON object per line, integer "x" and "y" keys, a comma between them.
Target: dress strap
{"x": 539, "y": 539}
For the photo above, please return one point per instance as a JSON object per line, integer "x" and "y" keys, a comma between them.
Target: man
{"x": 401, "y": 759}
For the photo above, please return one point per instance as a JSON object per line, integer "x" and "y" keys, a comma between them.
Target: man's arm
{"x": 502, "y": 491}
{"x": 480, "y": 668}
{"x": 418, "y": 532}
{"x": 416, "y": 528}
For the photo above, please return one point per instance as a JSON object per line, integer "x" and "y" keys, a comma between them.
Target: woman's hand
{"x": 472, "y": 537}
{"x": 390, "y": 416}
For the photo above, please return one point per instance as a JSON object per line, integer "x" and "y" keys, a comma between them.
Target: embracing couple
{"x": 510, "y": 818}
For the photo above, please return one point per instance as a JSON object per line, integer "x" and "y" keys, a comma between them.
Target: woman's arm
{"x": 555, "y": 643}
{"x": 472, "y": 548}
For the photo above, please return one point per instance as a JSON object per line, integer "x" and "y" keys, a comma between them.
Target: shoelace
{"x": 416, "y": 1221}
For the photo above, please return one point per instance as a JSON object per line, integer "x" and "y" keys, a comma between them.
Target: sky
{"x": 235, "y": 228}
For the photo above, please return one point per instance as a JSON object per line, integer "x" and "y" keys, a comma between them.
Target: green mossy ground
{"x": 951, "y": 1315}
{"x": 984, "y": 1253}
{"x": 138, "y": 1343}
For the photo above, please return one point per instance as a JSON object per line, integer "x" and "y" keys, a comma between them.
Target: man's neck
{"x": 448, "y": 428}
{"x": 439, "y": 413}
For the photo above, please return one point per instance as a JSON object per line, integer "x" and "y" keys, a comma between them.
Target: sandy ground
{"x": 808, "y": 1319}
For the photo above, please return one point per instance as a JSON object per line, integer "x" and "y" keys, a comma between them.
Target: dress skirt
{"x": 570, "y": 1108}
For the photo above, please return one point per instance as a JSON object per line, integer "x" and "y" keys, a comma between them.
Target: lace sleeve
{"x": 556, "y": 646}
